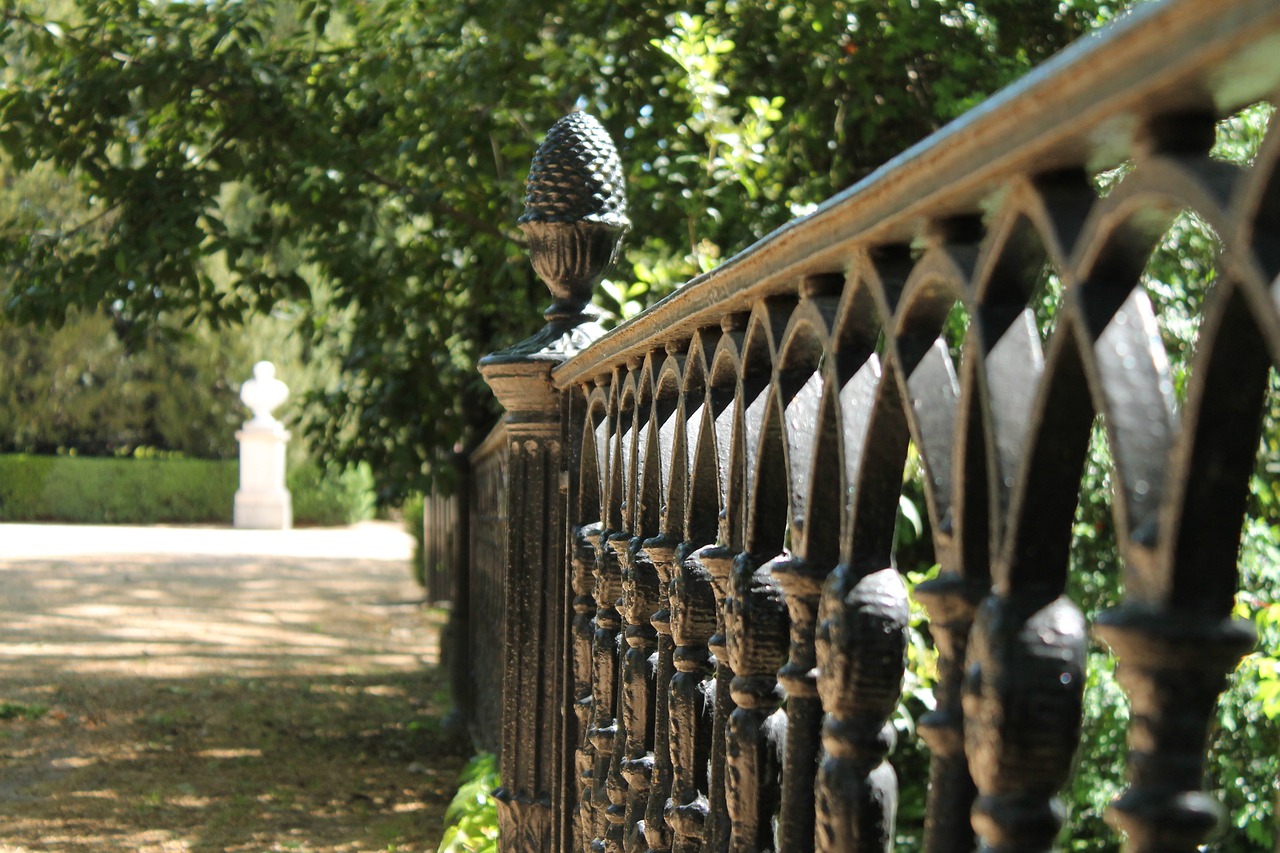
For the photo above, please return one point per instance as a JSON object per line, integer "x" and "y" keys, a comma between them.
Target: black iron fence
{"x": 684, "y": 531}
{"x": 442, "y": 545}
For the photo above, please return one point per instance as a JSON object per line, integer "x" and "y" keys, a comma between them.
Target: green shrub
{"x": 21, "y": 711}
{"x": 163, "y": 489}
{"x": 22, "y": 480}
{"x": 413, "y": 523}
{"x": 83, "y": 490}
{"x": 327, "y": 497}
{"x": 471, "y": 821}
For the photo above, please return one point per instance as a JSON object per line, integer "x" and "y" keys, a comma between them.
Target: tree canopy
{"x": 361, "y": 165}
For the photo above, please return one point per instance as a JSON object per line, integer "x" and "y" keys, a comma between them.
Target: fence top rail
{"x": 1083, "y": 108}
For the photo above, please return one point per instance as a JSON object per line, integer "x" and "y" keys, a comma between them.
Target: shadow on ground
{"x": 219, "y": 702}
{"x": 322, "y": 763}
{"x": 156, "y": 615}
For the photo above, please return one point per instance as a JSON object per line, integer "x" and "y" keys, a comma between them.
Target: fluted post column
{"x": 582, "y": 631}
{"x": 756, "y": 633}
{"x": 640, "y": 593}
{"x": 665, "y": 555}
{"x": 952, "y": 602}
{"x": 1022, "y": 694}
{"x": 718, "y": 562}
{"x": 575, "y": 215}
{"x": 860, "y": 649}
{"x": 691, "y": 699}
{"x": 603, "y": 731}
{"x": 1173, "y": 665}
{"x": 801, "y": 582}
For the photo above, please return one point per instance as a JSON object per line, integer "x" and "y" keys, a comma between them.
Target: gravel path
{"x": 206, "y": 689}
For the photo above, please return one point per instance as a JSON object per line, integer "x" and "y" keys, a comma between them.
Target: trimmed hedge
{"x": 90, "y": 490}
{"x": 327, "y": 498}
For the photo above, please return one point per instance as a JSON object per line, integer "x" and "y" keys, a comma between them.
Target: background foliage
{"x": 362, "y": 164}
{"x": 471, "y": 821}
{"x": 82, "y": 387}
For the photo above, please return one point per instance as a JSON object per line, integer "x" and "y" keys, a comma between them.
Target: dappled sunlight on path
{"x": 370, "y": 540}
{"x": 167, "y": 689}
{"x": 147, "y": 614}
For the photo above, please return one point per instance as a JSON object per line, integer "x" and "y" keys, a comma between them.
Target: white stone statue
{"x": 263, "y": 502}
{"x": 263, "y": 393}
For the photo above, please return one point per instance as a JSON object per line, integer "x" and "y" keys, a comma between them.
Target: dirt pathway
{"x": 212, "y": 690}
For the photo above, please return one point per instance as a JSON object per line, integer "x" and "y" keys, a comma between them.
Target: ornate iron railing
{"x": 443, "y": 553}
{"x": 479, "y": 610}
{"x": 705, "y": 626}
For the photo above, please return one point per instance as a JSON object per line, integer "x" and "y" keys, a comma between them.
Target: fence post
{"x": 575, "y": 216}
{"x": 458, "y": 652}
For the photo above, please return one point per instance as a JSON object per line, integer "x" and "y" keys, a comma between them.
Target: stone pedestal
{"x": 263, "y": 502}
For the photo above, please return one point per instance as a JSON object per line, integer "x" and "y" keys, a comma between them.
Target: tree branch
{"x": 444, "y": 207}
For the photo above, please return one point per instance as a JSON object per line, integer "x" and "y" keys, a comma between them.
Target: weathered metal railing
{"x": 443, "y": 556}
{"x": 705, "y": 626}
{"x": 479, "y": 608}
